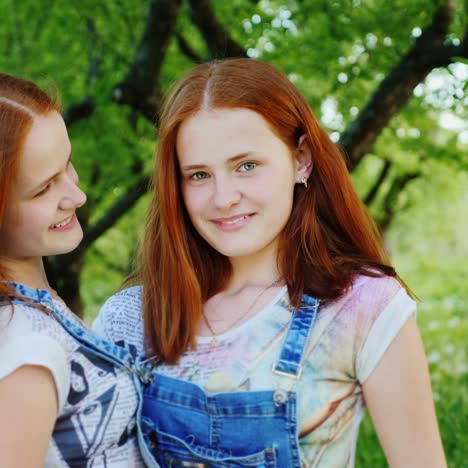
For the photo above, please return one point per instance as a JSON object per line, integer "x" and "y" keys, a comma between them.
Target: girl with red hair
{"x": 66, "y": 397}
{"x": 267, "y": 315}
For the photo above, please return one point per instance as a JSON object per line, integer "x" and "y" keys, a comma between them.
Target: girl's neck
{"x": 253, "y": 270}
{"x": 28, "y": 271}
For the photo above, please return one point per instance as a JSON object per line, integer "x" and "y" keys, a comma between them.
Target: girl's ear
{"x": 304, "y": 162}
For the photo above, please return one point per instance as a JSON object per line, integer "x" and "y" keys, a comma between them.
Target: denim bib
{"x": 185, "y": 426}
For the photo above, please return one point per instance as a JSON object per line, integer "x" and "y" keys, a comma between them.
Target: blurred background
{"x": 387, "y": 79}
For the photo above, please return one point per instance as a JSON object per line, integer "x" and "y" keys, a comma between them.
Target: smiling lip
{"x": 233, "y": 223}
{"x": 60, "y": 227}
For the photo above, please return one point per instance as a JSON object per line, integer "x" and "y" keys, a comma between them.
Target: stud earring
{"x": 304, "y": 181}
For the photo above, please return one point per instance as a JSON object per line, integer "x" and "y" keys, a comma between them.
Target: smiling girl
{"x": 66, "y": 398}
{"x": 269, "y": 316}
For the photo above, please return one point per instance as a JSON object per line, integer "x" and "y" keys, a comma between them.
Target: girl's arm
{"x": 399, "y": 397}
{"x": 28, "y": 410}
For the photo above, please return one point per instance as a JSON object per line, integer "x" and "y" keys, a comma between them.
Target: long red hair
{"x": 20, "y": 101}
{"x": 328, "y": 239}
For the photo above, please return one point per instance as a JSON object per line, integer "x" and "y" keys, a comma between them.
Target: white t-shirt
{"x": 97, "y": 401}
{"x": 347, "y": 341}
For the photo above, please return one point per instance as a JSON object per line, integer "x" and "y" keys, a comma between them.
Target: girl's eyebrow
{"x": 232, "y": 159}
{"x": 49, "y": 179}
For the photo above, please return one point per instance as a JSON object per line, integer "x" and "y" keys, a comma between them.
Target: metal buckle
{"x": 287, "y": 374}
{"x": 145, "y": 375}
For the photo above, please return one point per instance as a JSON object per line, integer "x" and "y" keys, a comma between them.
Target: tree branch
{"x": 110, "y": 265}
{"x": 370, "y": 197}
{"x": 187, "y": 50}
{"x": 85, "y": 108}
{"x": 396, "y": 89}
{"x": 219, "y": 42}
{"x": 389, "y": 208}
{"x": 140, "y": 88}
{"x": 79, "y": 111}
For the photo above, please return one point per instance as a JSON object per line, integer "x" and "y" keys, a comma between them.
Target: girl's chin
{"x": 70, "y": 245}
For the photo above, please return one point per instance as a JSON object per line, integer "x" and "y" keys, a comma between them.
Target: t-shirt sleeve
{"x": 24, "y": 342}
{"x": 383, "y": 331}
{"x": 100, "y": 327}
{"x": 120, "y": 319}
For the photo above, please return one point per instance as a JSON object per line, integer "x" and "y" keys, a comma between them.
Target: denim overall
{"x": 184, "y": 426}
{"x": 110, "y": 352}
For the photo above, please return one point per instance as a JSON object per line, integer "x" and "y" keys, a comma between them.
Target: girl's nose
{"x": 74, "y": 198}
{"x": 225, "y": 194}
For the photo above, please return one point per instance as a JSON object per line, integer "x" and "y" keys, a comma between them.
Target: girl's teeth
{"x": 63, "y": 223}
{"x": 235, "y": 220}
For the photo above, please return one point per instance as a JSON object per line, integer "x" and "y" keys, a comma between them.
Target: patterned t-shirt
{"x": 97, "y": 401}
{"x": 347, "y": 341}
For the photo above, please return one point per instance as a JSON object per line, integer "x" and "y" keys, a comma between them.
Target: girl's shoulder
{"x": 369, "y": 296}
{"x": 120, "y": 318}
{"x": 127, "y": 302}
{"x": 369, "y": 301}
{"x": 367, "y": 318}
{"x": 25, "y": 319}
{"x": 28, "y": 336}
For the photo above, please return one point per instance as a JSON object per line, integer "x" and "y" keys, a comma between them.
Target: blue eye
{"x": 199, "y": 176}
{"x": 248, "y": 166}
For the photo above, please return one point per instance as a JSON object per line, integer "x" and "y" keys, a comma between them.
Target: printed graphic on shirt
{"x": 80, "y": 436}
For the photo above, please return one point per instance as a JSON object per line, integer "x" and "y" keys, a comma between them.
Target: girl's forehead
{"x": 217, "y": 129}
{"x": 46, "y": 151}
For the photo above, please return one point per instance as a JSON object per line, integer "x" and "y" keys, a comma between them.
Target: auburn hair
{"x": 20, "y": 102}
{"x": 329, "y": 238}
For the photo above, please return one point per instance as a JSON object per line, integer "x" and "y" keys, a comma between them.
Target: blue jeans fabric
{"x": 185, "y": 426}
{"x": 110, "y": 352}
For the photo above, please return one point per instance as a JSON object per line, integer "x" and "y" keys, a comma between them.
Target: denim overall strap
{"x": 289, "y": 363}
{"x": 110, "y": 351}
